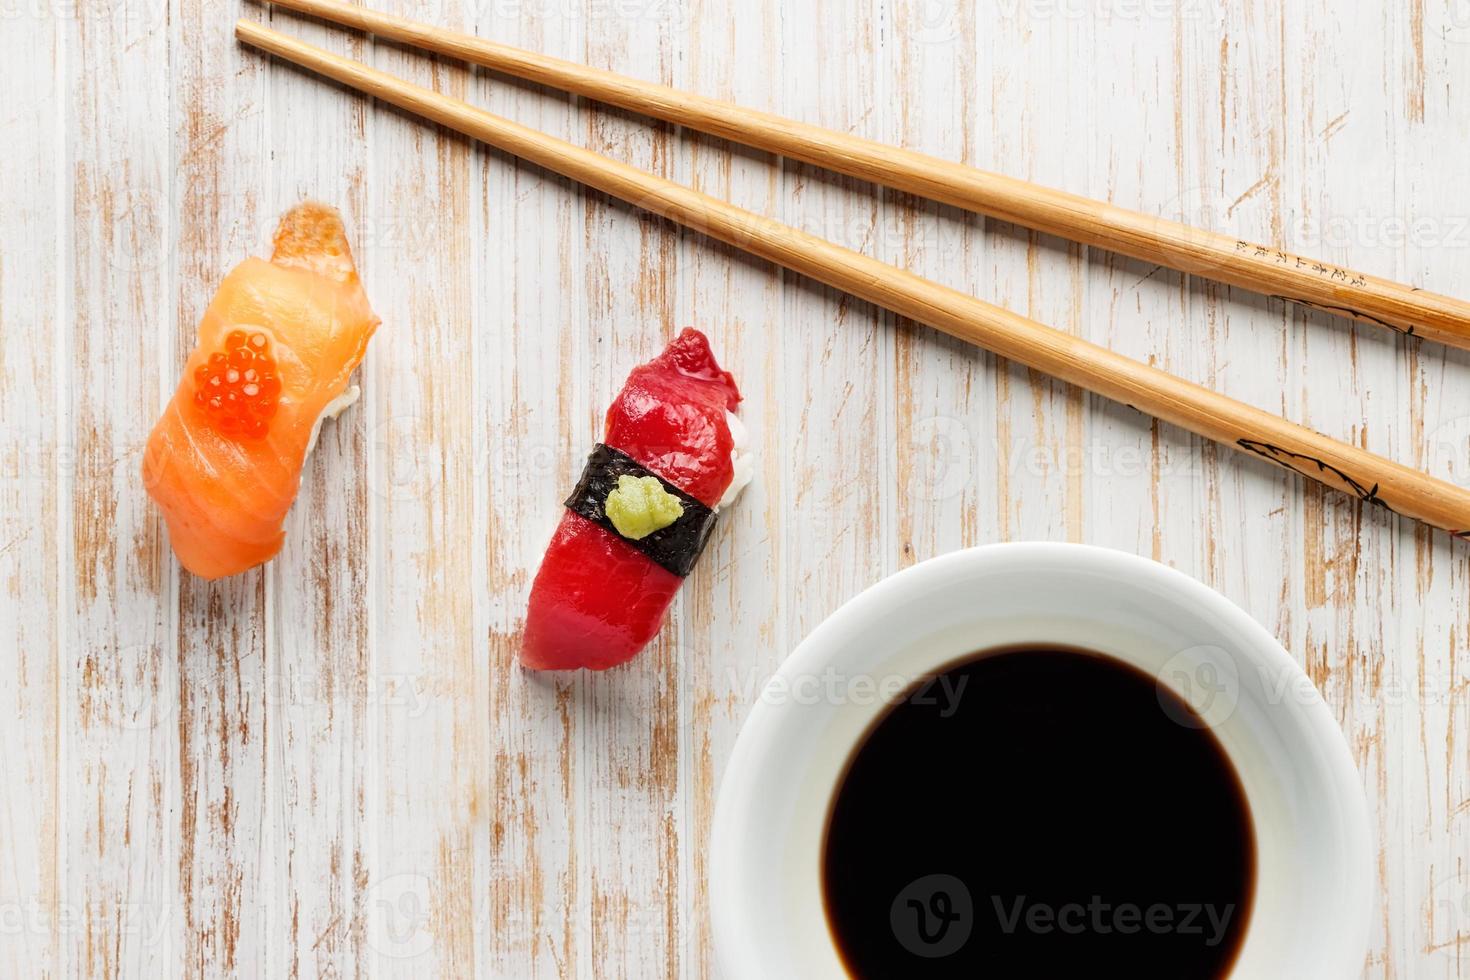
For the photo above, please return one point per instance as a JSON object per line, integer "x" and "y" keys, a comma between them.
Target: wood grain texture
{"x": 119, "y": 767}
{"x": 36, "y": 463}
{"x": 1043, "y": 349}
{"x": 1266, "y": 269}
{"x": 331, "y": 767}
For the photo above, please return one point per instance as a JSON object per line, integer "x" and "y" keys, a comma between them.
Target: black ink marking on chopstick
{"x": 1349, "y": 312}
{"x": 1301, "y": 462}
{"x": 1336, "y": 273}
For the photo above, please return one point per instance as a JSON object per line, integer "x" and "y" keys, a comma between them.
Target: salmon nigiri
{"x": 273, "y": 357}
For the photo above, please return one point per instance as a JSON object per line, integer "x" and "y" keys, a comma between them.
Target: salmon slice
{"x": 275, "y": 350}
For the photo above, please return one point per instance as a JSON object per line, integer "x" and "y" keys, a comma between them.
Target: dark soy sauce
{"x": 1039, "y": 813}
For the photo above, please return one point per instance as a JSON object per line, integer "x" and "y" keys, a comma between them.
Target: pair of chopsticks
{"x": 1339, "y": 465}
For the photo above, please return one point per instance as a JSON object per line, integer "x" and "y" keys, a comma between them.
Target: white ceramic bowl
{"x": 1314, "y": 887}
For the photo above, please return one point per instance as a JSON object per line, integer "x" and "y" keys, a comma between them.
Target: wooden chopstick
{"x": 1338, "y": 465}
{"x": 1264, "y": 269}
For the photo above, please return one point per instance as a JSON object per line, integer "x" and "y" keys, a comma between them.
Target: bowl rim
{"x": 758, "y": 733}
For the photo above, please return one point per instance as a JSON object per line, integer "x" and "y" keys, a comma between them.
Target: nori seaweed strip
{"x": 676, "y": 547}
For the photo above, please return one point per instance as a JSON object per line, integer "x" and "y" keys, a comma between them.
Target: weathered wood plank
{"x": 833, "y": 419}
{"x": 1031, "y": 61}
{"x": 428, "y": 722}
{"x": 320, "y": 679}
{"x": 1348, "y": 552}
{"x": 118, "y": 708}
{"x": 235, "y": 916}
{"x": 731, "y": 604}
{"x": 530, "y": 440}
{"x": 629, "y": 736}
{"x": 36, "y": 457}
{"x": 944, "y": 388}
{"x": 334, "y": 767}
{"x": 1426, "y": 623}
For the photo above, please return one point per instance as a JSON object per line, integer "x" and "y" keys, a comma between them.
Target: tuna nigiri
{"x": 640, "y": 515}
{"x": 273, "y": 357}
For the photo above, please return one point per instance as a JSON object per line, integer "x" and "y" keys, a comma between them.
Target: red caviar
{"x": 238, "y": 388}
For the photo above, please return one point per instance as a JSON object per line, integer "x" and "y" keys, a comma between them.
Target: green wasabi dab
{"x": 640, "y": 505}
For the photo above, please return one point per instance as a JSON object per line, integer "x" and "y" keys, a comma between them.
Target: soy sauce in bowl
{"x": 1039, "y": 813}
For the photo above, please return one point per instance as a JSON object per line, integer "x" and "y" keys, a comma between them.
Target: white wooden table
{"x": 332, "y": 767}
